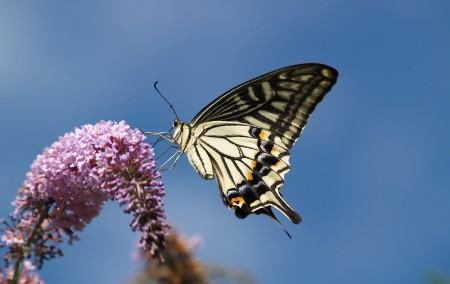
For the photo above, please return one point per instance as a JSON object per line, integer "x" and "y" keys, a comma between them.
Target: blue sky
{"x": 369, "y": 174}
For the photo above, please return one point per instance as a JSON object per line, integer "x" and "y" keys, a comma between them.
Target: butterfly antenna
{"x": 170, "y": 105}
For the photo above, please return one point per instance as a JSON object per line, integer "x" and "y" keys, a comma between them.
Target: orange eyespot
{"x": 238, "y": 201}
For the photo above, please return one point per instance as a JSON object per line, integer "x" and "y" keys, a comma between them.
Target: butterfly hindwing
{"x": 243, "y": 138}
{"x": 249, "y": 163}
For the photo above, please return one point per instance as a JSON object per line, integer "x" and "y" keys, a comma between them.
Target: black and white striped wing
{"x": 281, "y": 100}
{"x": 245, "y": 135}
{"x": 249, "y": 164}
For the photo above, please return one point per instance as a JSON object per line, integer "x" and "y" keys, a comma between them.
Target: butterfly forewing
{"x": 244, "y": 136}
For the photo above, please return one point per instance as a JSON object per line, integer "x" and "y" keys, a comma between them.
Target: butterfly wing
{"x": 281, "y": 100}
{"x": 249, "y": 164}
{"x": 245, "y": 135}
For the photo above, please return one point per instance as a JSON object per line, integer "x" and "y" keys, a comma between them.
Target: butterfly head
{"x": 175, "y": 123}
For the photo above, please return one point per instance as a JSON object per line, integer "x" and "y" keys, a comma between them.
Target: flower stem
{"x": 17, "y": 270}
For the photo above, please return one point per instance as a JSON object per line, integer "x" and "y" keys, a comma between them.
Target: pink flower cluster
{"x": 72, "y": 179}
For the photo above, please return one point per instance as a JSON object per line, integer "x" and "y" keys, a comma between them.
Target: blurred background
{"x": 370, "y": 174}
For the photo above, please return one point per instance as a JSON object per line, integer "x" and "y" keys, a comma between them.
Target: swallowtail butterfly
{"x": 243, "y": 137}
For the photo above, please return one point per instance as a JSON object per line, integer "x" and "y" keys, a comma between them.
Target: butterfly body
{"x": 243, "y": 138}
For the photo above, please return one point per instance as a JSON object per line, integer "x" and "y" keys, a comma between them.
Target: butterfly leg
{"x": 164, "y": 152}
{"x": 163, "y": 135}
{"x": 171, "y": 158}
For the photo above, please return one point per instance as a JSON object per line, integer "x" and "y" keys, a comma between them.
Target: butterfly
{"x": 243, "y": 138}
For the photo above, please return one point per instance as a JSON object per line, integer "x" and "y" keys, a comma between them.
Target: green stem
{"x": 17, "y": 270}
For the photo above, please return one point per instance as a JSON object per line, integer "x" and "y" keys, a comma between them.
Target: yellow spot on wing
{"x": 250, "y": 176}
{"x": 263, "y": 135}
{"x": 326, "y": 73}
{"x": 275, "y": 151}
{"x": 253, "y": 164}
